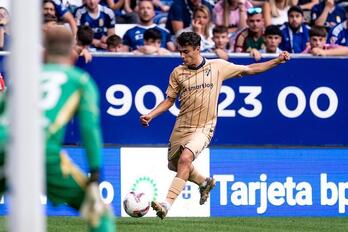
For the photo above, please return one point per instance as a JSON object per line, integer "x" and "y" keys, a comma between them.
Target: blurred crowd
{"x": 256, "y": 27}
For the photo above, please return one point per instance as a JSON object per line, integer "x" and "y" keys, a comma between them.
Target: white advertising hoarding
{"x": 145, "y": 170}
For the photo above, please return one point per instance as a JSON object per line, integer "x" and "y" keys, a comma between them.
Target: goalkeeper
{"x": 67, "y": 91}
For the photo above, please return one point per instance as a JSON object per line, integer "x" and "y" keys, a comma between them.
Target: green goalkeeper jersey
{"x": 69, "y": 91}
{"x": 3, "y": 123}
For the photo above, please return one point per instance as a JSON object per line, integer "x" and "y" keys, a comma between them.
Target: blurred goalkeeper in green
{"x": 68, "y": 91}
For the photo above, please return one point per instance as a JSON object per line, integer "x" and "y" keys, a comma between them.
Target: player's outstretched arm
{"x": 162, "y": 107}
{"x": 264, "y": 66}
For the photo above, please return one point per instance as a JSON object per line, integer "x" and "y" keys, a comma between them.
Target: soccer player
{"x": 66, "y": 91}
{"x": 197, "y": 83}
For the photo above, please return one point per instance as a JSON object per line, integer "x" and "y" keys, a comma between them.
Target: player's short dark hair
{"x": 220, "y": 29}
{"x": 85, "y": 35}
{"x": 113, "y": 41}
{"x": 189, "y": 39}
{"x": 318, "y": 31}
{"x": 152, "y": 33}
{"x": 58, "y": 41}
{"x": 273, "y": 30}
{"x": 295, "y": 9}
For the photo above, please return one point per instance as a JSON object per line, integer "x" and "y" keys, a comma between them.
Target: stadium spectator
{"x": 251, "y": 37}
{"x": 161, "y": 8}
{"x": 49, "y": 8}
{"x": 339, "y": 51}
{"x": 130, "y": 6}
{"x": 71, "y": 5}
{"x": 202, "y": 25}
{"x": 317, "y": 44}
{"x": 317, "y": 39}
{"x": 180, "y": 14}
{"x": 84, "y": 39}
{"x": 306, "y": 5}
{"x": 275, "y": 12}
{"x": 48, "y": 21}
{"x": 134, "y": 37}
{"x": 112, "y": 4}
{"x": 122, "y": 16}
{"x": 100, "y": 18}
{"x": 85, "y": 36}
{"x": 339, "y": 34}
{"x": 4, "y": 35}
{"x": 195, "y": 125}
{"x": 221, "y": 42}
{"x": 273, "y": 37}
{"x": 231, "y": 14}
{"x": 56, "y": 8}
{"x": 327, "y": 14}
{"x": 152, "y": 43}
{"x": 295, "y": 32}
{"x": 115, "y": 44}
{"x": 258, "y": 3}
{"x": 163, "y": 5}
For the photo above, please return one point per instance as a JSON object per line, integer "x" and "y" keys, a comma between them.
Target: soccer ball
{"x": 136, "y": 204}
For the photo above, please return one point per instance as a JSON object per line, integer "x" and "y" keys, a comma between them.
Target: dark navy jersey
{"x": 294, "y": 42}
{"x": 134, "y": 37}
{"x": 100, "y": 25}
{"x": 60, "y": 9}
{"x": 337, "y": 16}
{"x": 339, "y": 34}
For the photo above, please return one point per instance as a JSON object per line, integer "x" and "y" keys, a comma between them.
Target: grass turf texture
{"x": 76, "y": 224}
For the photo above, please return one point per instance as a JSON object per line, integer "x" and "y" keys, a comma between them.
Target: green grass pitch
{"x": 267, "y": 224}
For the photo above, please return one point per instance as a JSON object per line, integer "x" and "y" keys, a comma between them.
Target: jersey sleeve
{"x": 78, "y": 16}
{"x": 315, "y": 13}
{"x": 89, "y": 120}
{"x": 173, "y": 87}
{"x": 229, "y": 70}
{"x": 111, "y": 18}
{"x": 332, "y": 38}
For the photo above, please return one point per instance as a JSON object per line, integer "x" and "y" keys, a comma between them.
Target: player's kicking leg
{"x": 183, "y": 171}
{"x": 160, "y": 208}
{"x": 206, "y": 184}
{"x": 205, "y": 189}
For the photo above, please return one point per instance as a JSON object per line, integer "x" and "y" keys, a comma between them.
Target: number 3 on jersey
{"x": 50, "y": 84}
